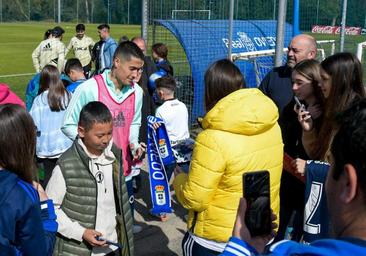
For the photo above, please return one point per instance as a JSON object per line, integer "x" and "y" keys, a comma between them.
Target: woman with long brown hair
{"x": 341, "y": 85}
{"x": 48, "y": 111}
{"x": 27, "y": 226}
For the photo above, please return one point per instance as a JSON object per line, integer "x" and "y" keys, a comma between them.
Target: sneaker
{"x": 136, "y": 229}
{"x": 162, "y": 216}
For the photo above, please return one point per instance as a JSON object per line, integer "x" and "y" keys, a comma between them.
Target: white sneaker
{"x": 136, "y": 229}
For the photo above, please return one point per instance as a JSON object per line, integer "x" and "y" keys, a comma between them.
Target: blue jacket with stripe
{"x": 27, "y": 227}
{"x": 323, "y": 247}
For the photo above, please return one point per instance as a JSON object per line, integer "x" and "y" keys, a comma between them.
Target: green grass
{"x": 18, "y": 40}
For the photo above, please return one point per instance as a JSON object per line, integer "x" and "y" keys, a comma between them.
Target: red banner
{"x": 320, "y": 29}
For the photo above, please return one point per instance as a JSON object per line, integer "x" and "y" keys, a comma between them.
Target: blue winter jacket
{"x": 33, "y": 88}
{"x": 110, "y": 47}
{"x": 322, "y": 247}
{"x": 25, "y": 229}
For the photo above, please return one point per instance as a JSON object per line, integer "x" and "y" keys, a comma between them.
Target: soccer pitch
{"x": 18, "y": 40}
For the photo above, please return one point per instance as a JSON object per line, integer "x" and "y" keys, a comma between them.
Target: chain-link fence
{"x": 204, "y": 21}
{"x": 186, "y": 26}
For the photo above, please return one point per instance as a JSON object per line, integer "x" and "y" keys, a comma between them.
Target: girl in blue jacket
{"x": 48, "y": 112}
{"x": 27, "y": 218}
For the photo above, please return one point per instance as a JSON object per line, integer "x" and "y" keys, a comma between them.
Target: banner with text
{"x": 320, "y": 29}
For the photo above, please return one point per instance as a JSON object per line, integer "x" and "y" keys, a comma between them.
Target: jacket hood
{"x": 7, "y": 182}
{"x": 245, "y": 111}
{"x": 4, "y": 92}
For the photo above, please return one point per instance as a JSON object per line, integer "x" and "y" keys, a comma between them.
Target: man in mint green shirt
{"x": 120, "y": 83}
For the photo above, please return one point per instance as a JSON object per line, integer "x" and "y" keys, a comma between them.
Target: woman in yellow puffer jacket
{"x": 240, "y": 135}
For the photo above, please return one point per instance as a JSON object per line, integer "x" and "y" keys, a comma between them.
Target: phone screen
{"x": 256, "y": 191}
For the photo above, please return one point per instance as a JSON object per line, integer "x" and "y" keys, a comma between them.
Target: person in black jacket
{"x": 148, "y": 106}
{"x": 277, "y": 85}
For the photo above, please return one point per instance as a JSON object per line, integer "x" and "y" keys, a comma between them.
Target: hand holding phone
{"x": 256, "y": 191}
{"x": 100, "y": 238}
{"x": 299, "y": 105}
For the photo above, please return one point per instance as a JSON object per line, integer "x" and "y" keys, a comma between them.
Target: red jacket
{"x": 7, "y": 96}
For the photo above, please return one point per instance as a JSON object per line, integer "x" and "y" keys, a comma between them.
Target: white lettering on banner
{"x": 264, "y": 41}
{"x": 247, "y": 41}
{"x": 244, "y": 41}
{"x": 158, "y": 175}
{"x": 335, "y": 30}
{"x": 157, "y": 169}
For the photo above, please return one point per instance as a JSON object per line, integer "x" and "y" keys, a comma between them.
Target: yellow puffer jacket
{"x": 240, "y": 135}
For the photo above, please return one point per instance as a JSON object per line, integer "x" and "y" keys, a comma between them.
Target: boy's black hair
{"x": 47, "y": 34}
{"x": 57, "y": 31}
{"x": 80, "y": 27}
{"x": 103, "y": 26}
{"x": 161, "y": 50}
{"x": 126, "y": 50}
{"x": 73, "y": 64}
{"x": 94, "y": 112}
{"x": 167, "y": 82}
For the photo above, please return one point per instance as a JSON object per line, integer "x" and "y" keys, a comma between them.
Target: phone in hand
{"x": 256, "y": 190}
{"x": 99, "y": 238}
{"x": 298, "y": 103}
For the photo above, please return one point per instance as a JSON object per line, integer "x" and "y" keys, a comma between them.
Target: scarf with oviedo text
{"x": 159, "y": 153}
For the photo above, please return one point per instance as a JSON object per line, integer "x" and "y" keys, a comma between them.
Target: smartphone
{"x": 256, "y": 190}
{"x": 298, "y": 103}
{"x": 99, "y": 238}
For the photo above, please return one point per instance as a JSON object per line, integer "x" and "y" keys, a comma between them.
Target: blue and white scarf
{"x": 159, "y": 153}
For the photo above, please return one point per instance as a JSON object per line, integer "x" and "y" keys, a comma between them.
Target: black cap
{"x": 57, "y": 31}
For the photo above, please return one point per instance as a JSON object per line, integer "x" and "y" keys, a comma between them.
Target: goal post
{"x": 263, "y": 60}
{"x": 360, "y": 48}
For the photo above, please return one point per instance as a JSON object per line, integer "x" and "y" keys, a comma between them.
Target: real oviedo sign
{"x": 243, "y": 41}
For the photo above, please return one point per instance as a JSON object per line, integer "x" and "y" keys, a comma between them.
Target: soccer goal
{"x": 360, "y": 49}
{"x": 191, "y": 14}
{"x": 263, "y": 60}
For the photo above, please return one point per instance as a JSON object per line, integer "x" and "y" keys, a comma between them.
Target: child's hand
{"x": 156, "y": 125}
{"x": 139, "y": 151}
{"x": 42, "y": 194}
{"x": 299, "y": 165}
{"x": 90, "y": 236}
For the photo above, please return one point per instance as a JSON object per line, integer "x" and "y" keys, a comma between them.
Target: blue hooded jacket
{"x": 25, "y": 229}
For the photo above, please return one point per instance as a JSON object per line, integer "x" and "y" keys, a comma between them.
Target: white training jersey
{"x": 82, "y": 48}
{"x": 49, "y": 52}
{"x": 175, "y": 116}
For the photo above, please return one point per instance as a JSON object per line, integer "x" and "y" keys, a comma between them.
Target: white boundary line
{"x": 15, "y": 75}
